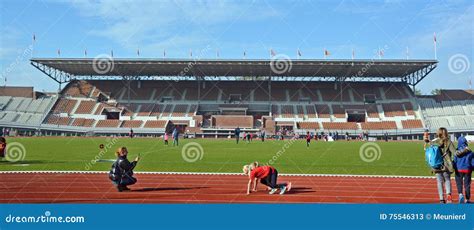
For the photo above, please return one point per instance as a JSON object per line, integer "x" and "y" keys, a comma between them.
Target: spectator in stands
{"x": 175, "y": 135}
{"x": 267, "y": 176}
{"x": 463, "y": 170}
{"x": 121, "y": 173}
{"x": 237, "y": 134}
{"x": 3, "y": 146}
{"x": 165, "y": 138}
{"x": 443, "y": 174}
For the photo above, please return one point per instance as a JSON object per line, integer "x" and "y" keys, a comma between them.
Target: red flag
{"x": 326, "y": 53}
{"x": 272, "y": 52}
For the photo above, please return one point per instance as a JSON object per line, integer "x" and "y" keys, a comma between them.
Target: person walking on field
{"x": 175, "y": 135}
{"x": 308, "y": 139}
{"x": 237, "y": 134}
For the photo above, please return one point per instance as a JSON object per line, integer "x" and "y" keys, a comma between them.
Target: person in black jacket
{"x": 122, "y": 170}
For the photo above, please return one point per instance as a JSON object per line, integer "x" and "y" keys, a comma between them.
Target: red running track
{"x": 179, "y": 188}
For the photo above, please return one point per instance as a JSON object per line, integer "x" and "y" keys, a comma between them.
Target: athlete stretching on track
{"x": 267, "y": 175}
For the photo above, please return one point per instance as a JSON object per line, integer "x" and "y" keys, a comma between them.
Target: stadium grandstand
{"x": 210, "y": 98}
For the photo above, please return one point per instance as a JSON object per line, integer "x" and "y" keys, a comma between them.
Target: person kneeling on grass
{"x": 267, "y": 176}
{"x": 121, "y": 173}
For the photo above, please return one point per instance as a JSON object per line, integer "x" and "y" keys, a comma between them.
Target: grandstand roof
{"x": 99, "y": 67}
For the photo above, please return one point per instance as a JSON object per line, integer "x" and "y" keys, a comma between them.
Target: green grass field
{"x": 71, "y": 153}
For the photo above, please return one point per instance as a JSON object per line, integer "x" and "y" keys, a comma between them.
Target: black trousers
{"x": 127, "y": 180}
{"x": 271, "y": 180}
{"x": 463, "y": 180}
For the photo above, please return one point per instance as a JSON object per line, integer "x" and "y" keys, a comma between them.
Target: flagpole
{"x": 407, "y": 53}
{"x": 435, "y": 46}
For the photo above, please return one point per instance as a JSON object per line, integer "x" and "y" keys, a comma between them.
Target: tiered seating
{"x": 157, "y": 109}
{"x": 311, "y": 111}
{"x": 300, "y": 110}
{"x": 372, "y": 111}
{"x": 155, "y": 124}
{"x": 145, "y": 110}
{"x": 412, "y": 124}
{"x": 287, "y": 111}
{"x": 409, "y": 108}
{"x": 323, "y": 111}
{"x": 85, "y": 107}
{"x": 338, "y": 111}
{"x": 382, "y": 125}
{"x": 192, "y": 110}
{"x": 339, "y": 125}
{"x": 108, "y": 123}
{"x": 56, "y": 120}
{"x": 275, "y": 110}
{"x": 232, "y": 121}
{"x": 180, "y": 110}
{"x": 167, "y": 110}
{"x": 395, "y": 91}
{"x": 131, "y": 124}
{"x": 437, "y": 122}
{"x": 64, "y": 106}
{"x": 393, "y": 109}
{"x": 83, "y": 122}
{"x": 78, "y": 89}
{"x": 308, "y": 125}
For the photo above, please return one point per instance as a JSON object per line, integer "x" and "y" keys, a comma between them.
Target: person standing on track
{"x": 267, "y": 176}
{"x": 237, "y": 134}
{"x": 443, "y": 174}
{"x": 121, "y": 173}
